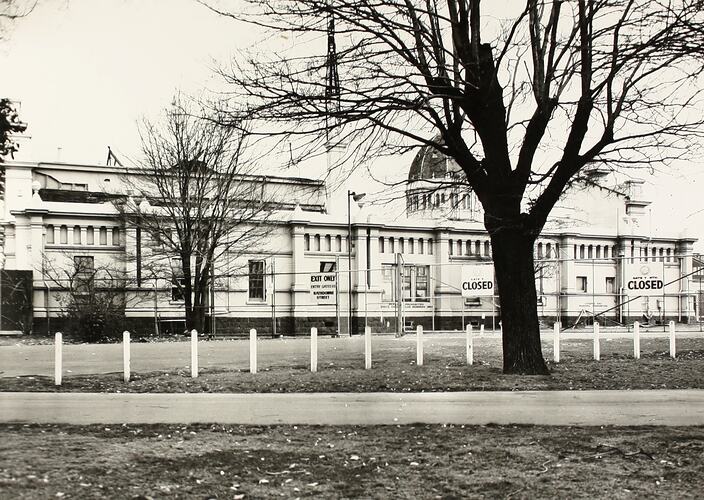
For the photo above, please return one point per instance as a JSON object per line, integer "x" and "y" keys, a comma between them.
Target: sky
{"x": 86, "y": 71}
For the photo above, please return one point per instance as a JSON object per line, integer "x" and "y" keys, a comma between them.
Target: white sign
{"x": 477, "y": 281}
{"x": 643, "y": 278}
{"x": 323, "y": 288}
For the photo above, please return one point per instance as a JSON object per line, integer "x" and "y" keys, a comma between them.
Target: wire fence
{"x": 393, "y": 297}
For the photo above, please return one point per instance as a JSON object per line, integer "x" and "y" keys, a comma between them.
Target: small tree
{"x": 196, "y": 204}
{"x": 525, "y": 100}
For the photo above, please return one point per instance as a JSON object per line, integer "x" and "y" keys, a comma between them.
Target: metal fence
{"x": 393, "y": 298}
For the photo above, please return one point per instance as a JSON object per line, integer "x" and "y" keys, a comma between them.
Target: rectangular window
{"x": 610, "y": 284}
{"x": 177, "y": 287}
{"x": 83, "y": 278}
{"x": 178, "y": 282}
{"x": 421, "y": 284}
{"x": 49, "y": 234}
{"x": 256, "y": 278}
{"x": 407, "y": 282}
{"x": 388, "y": 283}
{"x": 103, "y": 235}
{"x": 416, "y": 283}
{"x": 582, "y": 284}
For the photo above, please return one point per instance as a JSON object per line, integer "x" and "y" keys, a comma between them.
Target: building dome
{"x": 430, "y": 163}
{"x": 437, "y": 188}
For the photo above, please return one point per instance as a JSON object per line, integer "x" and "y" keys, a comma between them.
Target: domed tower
{"x": 437, "y": 188}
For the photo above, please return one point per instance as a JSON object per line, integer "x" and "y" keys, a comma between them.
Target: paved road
{"x": 619, "y": 408}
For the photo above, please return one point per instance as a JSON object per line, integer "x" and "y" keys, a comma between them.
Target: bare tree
{"x": 526, "y": 101}
{"x": 195, "y": 205}
{"x": 93, "y": 296}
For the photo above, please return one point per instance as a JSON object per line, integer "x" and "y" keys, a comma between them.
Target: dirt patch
{"x": 349, "y": 462}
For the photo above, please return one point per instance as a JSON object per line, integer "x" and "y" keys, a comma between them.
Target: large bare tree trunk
{"x": 515, "y": 276}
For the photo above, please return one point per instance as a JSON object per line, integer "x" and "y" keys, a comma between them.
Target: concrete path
{"x": 619, "y": 408}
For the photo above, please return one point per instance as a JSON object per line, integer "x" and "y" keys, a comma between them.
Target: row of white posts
{"x": 469, "y": 345}
{"x": 58, "y": 353}
{"x": 597, "y": 342}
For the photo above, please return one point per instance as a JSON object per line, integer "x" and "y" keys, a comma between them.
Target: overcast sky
{"x": 85, "y": 71}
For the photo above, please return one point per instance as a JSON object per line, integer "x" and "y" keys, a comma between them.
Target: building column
{"x": 684, "y": 248}
{"x": 300, "y": 288}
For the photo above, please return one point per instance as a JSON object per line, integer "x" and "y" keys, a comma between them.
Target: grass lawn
{"x": 349, "y": 462}
{"x": 394, "y": 370}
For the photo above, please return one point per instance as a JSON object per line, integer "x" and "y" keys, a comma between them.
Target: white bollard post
{"x": 556, "y": 342}
{"x": 419, "y": 345}
{"x": 313, "y": 349}
{"x": 367, "y": 348}
{"x": 636, "y": 340}
{"x": 194, "y": 353}
{"x": 126, "y": 356}
{"x": 469, "y": 341}
{"x": 481, "y": 325}
{"x": 252, "y": 351}
{"x": 58, "y": 357}
{"x": 597, "y": 347}
{"x": 673, "y": 350}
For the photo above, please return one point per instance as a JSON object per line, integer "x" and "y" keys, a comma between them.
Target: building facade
{"x": 392, "y": 272}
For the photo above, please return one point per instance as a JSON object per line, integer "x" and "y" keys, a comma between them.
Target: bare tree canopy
{"x": 526, "y": 101}
{"x": 193, "y": 198}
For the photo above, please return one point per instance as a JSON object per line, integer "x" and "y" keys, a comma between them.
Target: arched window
{"x": 90, "y": 236}
{"x": 430, "y": 247}
{"x": 540, "y": 250}
{"x": 338, "y": 243}
{"x": 76, "y": 235}
{"x": 487, "y": 248}
{"x": 381, "y": 245}
{"x": 306, "y": 242}
{"x": 328, "y": 243}
{"x": 468, "y": 247}
{"x": 115, "y": 236}
{"x": 50, "y": 234}
{"x": 598, "y": 252}
{"x": 316, "y": 243}
{"x": 590, "y": 252}
{"x": 451, "y": 247}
